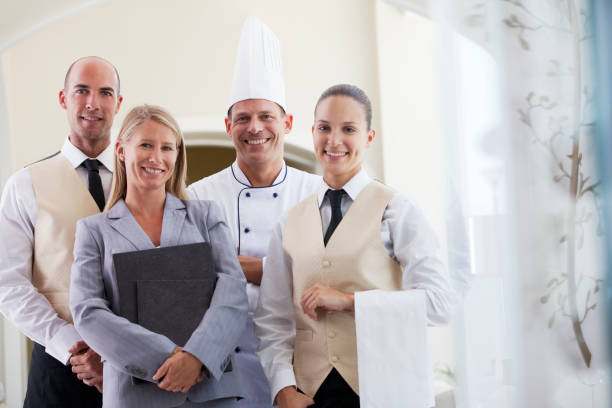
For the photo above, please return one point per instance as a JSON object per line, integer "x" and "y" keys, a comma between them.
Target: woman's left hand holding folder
{"x": 179, "y": 372}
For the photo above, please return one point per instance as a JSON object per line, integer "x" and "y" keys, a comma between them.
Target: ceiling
{"x": 417, "y": 6}
{"x": 19, "y": 18}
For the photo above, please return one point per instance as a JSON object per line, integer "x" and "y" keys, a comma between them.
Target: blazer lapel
{"x": 124, "y": 223}
{"x": 174, "y": 219}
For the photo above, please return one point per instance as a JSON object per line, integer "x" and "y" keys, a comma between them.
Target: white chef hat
{"x": 259, "y": 66}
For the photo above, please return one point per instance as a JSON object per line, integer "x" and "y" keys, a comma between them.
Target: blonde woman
{"x": 147, "y": 208}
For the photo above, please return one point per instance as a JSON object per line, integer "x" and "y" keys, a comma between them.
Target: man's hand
{"x": 78, "y": 347}
{"x": 289, "y": 397}
{"x": 252, "y": 268}
{"x": 86, "y": 364}
{"x": 327, "y": 298}
{"x": 180, "y": 372}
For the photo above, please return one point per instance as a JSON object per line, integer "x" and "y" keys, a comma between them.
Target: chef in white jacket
{"x": 258, "y": 187}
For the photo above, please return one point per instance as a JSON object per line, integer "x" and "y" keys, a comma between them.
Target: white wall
{"x": 5, "y": 139}
{"x": 13, "y": 362}
{"x": 10, "y": 379}
{"x": 183, "y": 59}
{"x": 412, "y": 145}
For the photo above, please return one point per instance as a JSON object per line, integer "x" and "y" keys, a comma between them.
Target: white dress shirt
{"x": 20, "y": 301}
{"x": 407, "y": 237}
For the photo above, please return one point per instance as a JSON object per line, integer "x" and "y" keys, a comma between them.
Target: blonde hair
{"x": 135, "y": 118}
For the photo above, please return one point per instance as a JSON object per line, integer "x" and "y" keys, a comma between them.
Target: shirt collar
{"x": 76, "y": 157}
{"x": 241, "y": 178}
{"x": 352, "y": 187}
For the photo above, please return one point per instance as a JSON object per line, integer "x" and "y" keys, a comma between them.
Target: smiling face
{"x": 340, "y": 136}
{"x": 257, "y": 128}
{"x": 91, "y": 101}
{"x": 149, "y": 156}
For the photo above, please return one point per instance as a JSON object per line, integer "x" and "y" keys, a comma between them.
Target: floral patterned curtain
{"x": 519, "y": 114}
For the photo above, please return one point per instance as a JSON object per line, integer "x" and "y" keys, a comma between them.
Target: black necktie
{"x": 335, "y": 196}
{"x": 95, "y": 183}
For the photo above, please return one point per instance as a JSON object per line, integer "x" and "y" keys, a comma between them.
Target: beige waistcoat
{"x": 62, "y": 200}
{"x": 354, "y": 260}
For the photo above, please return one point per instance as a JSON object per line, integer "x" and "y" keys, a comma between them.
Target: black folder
{"x": 166, "y": 290}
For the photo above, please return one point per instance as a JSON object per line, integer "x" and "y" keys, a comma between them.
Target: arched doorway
{"x": 210, "y": 152}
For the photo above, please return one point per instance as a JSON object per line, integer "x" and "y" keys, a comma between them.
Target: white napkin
{"x": 392, "y": 350}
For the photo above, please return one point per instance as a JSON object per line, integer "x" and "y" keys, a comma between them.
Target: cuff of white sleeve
{"x": 263, "y": 265}
{"x": 60, "y": 343}
{"x": 282, "y": 378}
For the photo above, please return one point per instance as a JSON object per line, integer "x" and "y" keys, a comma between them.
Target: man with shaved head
{"x": 39, "y": 208}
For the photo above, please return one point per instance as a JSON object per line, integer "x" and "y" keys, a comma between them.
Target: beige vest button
{"x": 335, "y": 358}
{"x": 326, "y": 263}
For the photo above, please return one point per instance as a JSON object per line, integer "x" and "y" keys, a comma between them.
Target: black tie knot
{"x": 335, "y": 197}
{"x": 91, "y": 165}
{"x": 94, "y": 181}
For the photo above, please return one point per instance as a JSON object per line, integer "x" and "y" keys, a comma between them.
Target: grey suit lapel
{"x": 174, "y": 218}
{"x": 122, "y": 220}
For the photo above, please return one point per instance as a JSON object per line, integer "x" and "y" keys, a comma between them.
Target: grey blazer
{"x": 129, "y": 350}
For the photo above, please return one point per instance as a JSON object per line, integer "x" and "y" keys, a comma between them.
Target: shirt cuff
{"x": 252, "y": 291}
{"x": 60, "y": 343}
{"x": 282, "y": 378}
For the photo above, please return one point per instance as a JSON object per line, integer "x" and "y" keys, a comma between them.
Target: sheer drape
{"x": 518, "y": 109}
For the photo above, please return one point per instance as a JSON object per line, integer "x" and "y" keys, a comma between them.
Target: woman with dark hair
{"x": 329, "y": 253}
{"x": 148, "y": 209}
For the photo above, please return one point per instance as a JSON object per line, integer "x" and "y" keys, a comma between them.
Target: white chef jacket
{"x": 252, "y": 213}
{"x": 407, "y": 237}
{"x": 20, "y": 301}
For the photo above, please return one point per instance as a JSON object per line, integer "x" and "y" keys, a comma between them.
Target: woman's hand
{"x": 289, "y": 397}
{"x": 327, "y": 298}
{"x": 179, "y": 372}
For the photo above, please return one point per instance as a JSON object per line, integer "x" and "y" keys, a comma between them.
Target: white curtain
{"x": 518, "y": 114}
